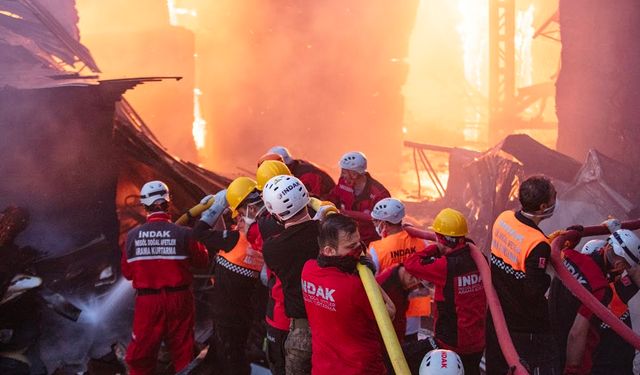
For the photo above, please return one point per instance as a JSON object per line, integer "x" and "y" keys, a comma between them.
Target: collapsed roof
{"x": 75, "y": 155}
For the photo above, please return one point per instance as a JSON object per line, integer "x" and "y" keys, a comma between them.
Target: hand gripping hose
{"x": 194, "y": 211}
{"x": 581, "y": 292}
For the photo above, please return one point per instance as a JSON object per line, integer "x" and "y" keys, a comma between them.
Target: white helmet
{"x": 354, "y": 161}
{"x": 282, "y": 151}
{"x": 153, "y": 191}
{"x": 592, "y": 246}
{"x": 441, "y": 362}
{"x": 388, "y": 209}
{"x": 285, "y": 196}
{"x": 626, "y": 244}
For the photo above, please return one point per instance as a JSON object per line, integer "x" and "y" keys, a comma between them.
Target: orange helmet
{"x": 270, "y": 156}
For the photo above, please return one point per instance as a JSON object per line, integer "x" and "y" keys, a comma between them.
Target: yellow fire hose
{"x": 396, "y": 356}
{"x": 194, "y": 211}
{"x": 384, "y": 321}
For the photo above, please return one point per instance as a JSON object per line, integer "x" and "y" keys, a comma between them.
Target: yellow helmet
{"x": 238, "y": 190}
{"x": 450, "y": 222}
{"x": 269, "y": 169}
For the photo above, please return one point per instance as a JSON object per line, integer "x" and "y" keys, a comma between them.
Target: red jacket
{"x": 344, "y": 198}
{"x": 159, "y": 254}
{"x": 344, "y": 334}
{"x": 459, "y": 295}
{"x": 275, "y": 315}
{"x": 587, "y": 270}
{"x": 318, "y": 182}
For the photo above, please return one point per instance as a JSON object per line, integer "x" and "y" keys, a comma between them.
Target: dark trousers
{"x": 230, "y": 344}
{"x": 275, "y": 349}
{"x": 471, "y": 363}
{"x": 538, "y": 352}
{"x": 613, "y": 355}
{"x": 11, "y": 366}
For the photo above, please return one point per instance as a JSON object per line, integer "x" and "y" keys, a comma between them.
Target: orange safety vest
{"x": 243, "y": 255}
{"x": 395, "y": 248}
{"x": 512, "y": 240}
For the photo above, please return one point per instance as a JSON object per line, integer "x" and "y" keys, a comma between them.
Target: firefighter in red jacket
{"x": 318, "y": 182}
{"x": 344, "y": 334}
{"x": 157, "y": 258}
{"x": 589, "y": 345}
{"x": 460, "y": 300}
{"x": 358, "y": 191}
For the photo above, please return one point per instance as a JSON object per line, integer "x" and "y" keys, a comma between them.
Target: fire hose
{"x": 582, "y": 293}
{"x": 194, "y": 211}
{"x": 396, "y": 356}
{"x": 502, "y": 332}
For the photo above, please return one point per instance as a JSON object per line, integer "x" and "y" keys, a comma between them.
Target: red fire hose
{"x": 563, "y": 274}
{"x": 504, "y": 339}
{"x": 581, "y": 292}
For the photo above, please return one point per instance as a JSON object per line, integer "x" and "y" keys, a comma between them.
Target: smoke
{"x": 105, "y": 320}
{"x": 321, "y": 78}
{"x": 54, "y": 165}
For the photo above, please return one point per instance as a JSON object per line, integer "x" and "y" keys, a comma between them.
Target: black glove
{"x": 368, "y": 262}
{"x": 425, "y": 260}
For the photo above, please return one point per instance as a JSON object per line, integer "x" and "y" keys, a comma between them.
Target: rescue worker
{"x": 275, "y": 316}
{"x": 613, "y": 354}
{"x": 519, "y": 255}
{"x": 345, "y": 336}
{"x": 442, "y": 362}
{"x": 286, "y": 198}
{"x": 395, "y": 246}
{"x": 459, "y": 319}
{"x": 358, "y": 191}
{"x": 582, "y": 334}
{"x": 318, "y": 182}
{"x": 236, "y": 279}
{"x": 624, "y": 257}
{"x": 157, "y": 258}
{"x": 586, "y": 344}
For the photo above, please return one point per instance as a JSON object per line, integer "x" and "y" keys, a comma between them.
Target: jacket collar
{"x": 159, "y": 216}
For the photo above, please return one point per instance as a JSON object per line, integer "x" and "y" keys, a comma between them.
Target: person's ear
{"x": 328, "y": 251}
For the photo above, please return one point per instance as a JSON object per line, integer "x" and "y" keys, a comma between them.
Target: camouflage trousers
{"x": 298, "y": 348}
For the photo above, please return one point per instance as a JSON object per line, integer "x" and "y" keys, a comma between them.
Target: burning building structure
{"x": 75, "y": 154}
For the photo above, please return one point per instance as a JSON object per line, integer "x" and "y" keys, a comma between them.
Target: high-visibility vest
{"x": 512, "y": 240}
{"x": 243, "y": 255}
{"x": 394, "y": 249}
